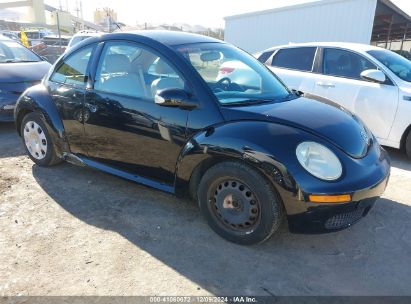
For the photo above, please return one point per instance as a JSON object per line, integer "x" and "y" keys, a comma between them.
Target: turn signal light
{"x": 330, "y": 198}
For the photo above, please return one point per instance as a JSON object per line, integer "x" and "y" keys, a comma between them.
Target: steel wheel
{"x": 239, "y": 203}
{"x": 35, "y": 140}
{"x": 234, "y": 205}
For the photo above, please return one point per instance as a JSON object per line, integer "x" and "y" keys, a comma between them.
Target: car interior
{"x": 345, "y": 64}
{"x": 138, "y": 74}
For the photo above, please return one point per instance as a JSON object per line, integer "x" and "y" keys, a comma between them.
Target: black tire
{"x": 49, "y": 157}
{"x": 408, "y": 145}
{"x": 226, "y": 205}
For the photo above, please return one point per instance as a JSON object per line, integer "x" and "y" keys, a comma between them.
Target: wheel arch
{"x": 404, "y": 137}
{"x": 19, "y": 118}
{"x": 36, "y": 99}
{"x": 201, "y": 153}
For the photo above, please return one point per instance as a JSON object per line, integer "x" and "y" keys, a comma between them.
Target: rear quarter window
{"x": 265, "y": 56}
{"x": 300, "y": 59}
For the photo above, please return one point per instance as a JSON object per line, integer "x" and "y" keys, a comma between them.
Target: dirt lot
{"x": 75, "y": 231}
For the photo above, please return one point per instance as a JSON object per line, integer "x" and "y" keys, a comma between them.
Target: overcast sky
{"x": 208, "y": 13}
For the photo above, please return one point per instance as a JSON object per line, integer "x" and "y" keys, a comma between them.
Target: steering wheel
{"x": 224, "y": 83}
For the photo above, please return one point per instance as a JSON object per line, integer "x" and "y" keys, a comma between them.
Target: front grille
{"x": 343, "y": 220}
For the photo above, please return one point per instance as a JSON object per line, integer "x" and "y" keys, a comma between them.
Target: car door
{"x": 125, "y": 129}
{"x": 294, "y": 66}
{"x": 67, "y": 86}
{"x": 340, "y": 81}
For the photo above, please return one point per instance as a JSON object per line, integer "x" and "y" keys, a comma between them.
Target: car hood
{"x": 23, "y": 71}
{"x": 315, "y": 115}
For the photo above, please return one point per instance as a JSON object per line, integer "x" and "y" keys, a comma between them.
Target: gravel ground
{"x": 76, "y": 231}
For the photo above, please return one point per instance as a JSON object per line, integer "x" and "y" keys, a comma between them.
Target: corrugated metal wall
{"x": 328, "y": 20}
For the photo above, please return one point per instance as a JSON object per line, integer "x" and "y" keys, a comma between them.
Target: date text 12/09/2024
{"x": 203, "y": 299}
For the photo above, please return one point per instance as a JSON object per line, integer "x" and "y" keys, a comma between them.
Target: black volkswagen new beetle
{"x": 147, "y": 106}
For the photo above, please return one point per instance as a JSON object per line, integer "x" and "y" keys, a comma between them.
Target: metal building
{"x": 378, "y": 22}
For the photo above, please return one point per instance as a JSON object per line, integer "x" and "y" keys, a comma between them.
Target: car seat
{"x": 168, "y": 78}
{"x": 118, "y": 78}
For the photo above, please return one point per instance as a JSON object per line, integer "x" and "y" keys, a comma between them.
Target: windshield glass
{"x": 11, "y": 51}
{"x": 234, "y": 76}
{"x": 399, "y": 65}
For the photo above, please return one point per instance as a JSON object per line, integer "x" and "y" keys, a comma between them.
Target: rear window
{"x": 300, "y": 59}
{"x": 264, "y": 56}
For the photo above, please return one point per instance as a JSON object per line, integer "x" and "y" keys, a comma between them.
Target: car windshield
{"x": 234, "y": 76}
{"x": 397, "y": 64}
{"x": 11, "y": 51}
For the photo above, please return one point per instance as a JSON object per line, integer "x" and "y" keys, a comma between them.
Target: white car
{"x": 239, "y": 73}
{"x": 372, "y": 82}
{"x": 82, "y": 35}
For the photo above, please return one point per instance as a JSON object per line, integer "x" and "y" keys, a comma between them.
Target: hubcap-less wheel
{"x": 35, "y": 140}
{"x": 239, "y": 203}
{"x": 235, "y": 205}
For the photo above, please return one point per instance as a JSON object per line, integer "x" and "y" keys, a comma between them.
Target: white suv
{"x": 372, "y": 82}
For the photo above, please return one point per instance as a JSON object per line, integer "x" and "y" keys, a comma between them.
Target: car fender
{"x": 37, "y": 99}
{"x": 402, "y": 122}
{"x": 255, "y": 143}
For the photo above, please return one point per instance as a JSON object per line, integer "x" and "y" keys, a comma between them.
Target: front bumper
{"x": 321, "y": 218}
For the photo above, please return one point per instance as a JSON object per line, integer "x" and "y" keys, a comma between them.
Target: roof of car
{"x": 88, "y": 33}
{"x": 2, "y": 37}
{"x": 171, "y": 38}
{"x": 346, "y": 45}
{"x": 54, "y": 36}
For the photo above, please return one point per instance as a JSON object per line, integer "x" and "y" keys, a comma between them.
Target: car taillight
{"x": 226, "y": 70}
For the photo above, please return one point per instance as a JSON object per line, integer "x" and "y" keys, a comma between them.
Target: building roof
{"x": 396, "y": 9}
{"x": 390, "y": 22}
{"x": 283, "y": 8}
{"x": 388, "y": 3}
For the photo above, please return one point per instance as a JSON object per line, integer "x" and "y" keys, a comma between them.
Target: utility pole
{"x": 108, "y": 18}
{"x": 81, "y": 15}
{"x": 77, "y": 12}
{"x": 58, "y": 30}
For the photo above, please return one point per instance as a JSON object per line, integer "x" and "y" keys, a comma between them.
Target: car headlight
{"x": 319, "y": 160}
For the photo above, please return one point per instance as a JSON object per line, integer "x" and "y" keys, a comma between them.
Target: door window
{"x": 344, "y": 63}
{"x": 300, "y": 59}
{"x": 73, "y": 70}
{"x": 131, "y": 70}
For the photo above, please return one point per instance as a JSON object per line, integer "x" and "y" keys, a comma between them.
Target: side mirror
{"x": 174, "y": 98}
{"x": 373, "y": 76}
